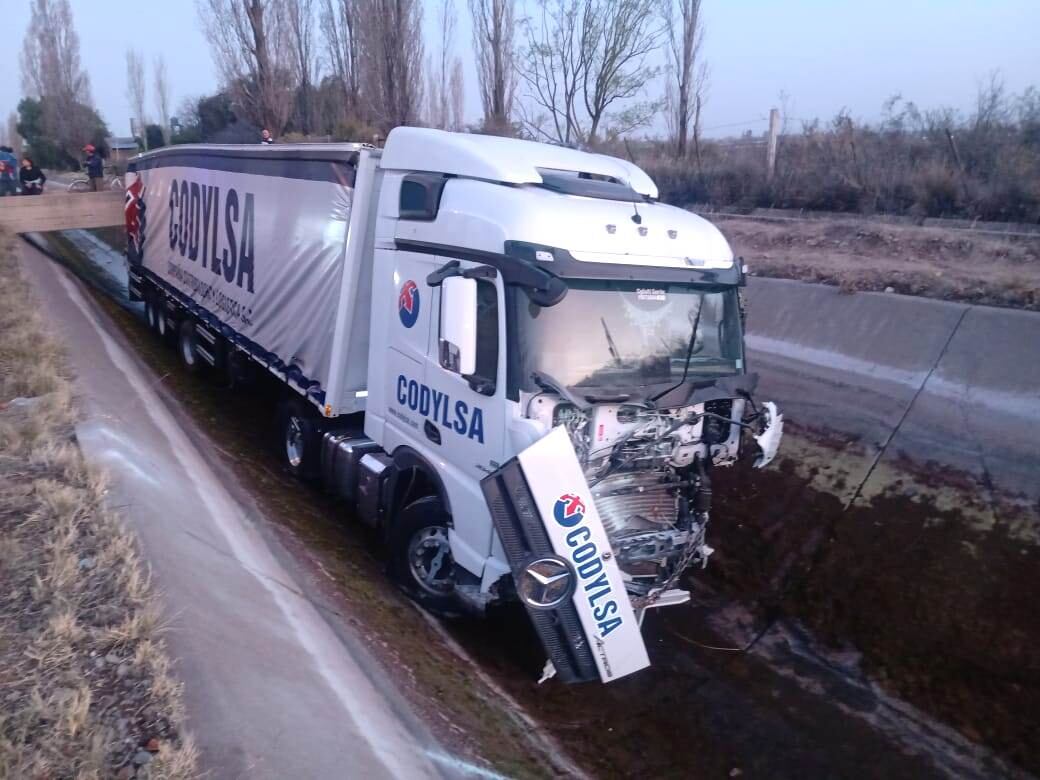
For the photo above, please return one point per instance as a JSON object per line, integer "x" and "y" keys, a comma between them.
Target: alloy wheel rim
{"x": 294, "y": 443}
{"x": 429, "y": 560}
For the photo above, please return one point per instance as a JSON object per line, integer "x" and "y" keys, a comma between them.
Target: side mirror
{"x": 458, "y": 327}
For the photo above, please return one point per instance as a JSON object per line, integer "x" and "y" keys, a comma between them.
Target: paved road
{"x": 274, "y": 689}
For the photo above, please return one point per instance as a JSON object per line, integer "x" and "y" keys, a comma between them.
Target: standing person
{"x": 95, "y": 167}
{"x": 266, "y": 137}
{"x": 32, "y": 178}
{"x": 8, "y": 171}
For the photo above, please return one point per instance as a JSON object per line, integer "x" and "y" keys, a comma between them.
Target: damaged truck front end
{"x": 640, "y": 389}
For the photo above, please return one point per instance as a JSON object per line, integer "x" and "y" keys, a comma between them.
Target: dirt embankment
{"x": 942, "y": 610}
{"x": 956, "y": 265}
{"x": 86, "y": 688}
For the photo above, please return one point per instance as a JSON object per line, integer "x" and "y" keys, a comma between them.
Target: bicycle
{"x": 82, "y": 184}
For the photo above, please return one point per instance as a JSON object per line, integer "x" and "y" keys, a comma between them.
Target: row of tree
{"x": 57, "y": 116}
{"x": 573, "y": 71}
{"x": 983, "y": 164}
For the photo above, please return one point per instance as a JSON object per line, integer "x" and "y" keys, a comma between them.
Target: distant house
{"x": 120, "y": 150}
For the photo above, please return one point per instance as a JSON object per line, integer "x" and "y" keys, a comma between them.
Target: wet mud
{"x": 935, "y": 607}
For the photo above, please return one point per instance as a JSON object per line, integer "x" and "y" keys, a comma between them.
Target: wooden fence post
{"x": 774, "y": 132}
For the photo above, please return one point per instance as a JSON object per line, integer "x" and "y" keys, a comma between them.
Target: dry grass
{"x": 86, "y": 687}
{"x": 861, "y": 255}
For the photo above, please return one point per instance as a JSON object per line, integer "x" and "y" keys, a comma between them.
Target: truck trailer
{"x": 508, "y": 357}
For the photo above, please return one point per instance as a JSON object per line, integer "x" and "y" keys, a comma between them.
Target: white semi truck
{"x": 507, "y": 356}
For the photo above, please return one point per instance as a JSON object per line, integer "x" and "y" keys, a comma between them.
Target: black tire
{"x": 162, "y": 325}
{"x": 186, "y": 338}
{"x": 299, "y": 439}
{"x": 420, "y": 559}
{"x": 151, "y": 312}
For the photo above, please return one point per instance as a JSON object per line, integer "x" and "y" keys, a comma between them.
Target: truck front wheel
{"x": 420, "y": 555}
{"x": 299, "y": 439}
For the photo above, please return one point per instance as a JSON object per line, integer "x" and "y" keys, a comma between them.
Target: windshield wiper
{"x": 610, "y": 343}
{"x": 689, "y": 352}
{"x": 547, "y": 382}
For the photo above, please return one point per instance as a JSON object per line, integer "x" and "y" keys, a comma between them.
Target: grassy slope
{"x": 86, "y": 688}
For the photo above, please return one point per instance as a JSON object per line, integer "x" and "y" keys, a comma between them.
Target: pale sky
{"x": 824, "y": 54}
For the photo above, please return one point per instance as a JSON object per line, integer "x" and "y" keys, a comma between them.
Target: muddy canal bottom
{"x": 822, "y": 642}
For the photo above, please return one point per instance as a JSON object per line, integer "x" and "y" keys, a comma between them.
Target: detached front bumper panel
{"x": 524, "y": 539}
{"x": 564, "y": 568}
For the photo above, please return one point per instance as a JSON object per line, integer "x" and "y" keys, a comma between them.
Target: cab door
{"x": 467, "y": 420}
{"x": 408, "y": 333}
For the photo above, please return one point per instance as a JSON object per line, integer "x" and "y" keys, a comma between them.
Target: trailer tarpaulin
{"x": 256, "y": 237}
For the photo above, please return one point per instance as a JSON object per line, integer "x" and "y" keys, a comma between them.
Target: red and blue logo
{"x": 133, "y": 213}
{"x": 408, "y": 303}
{"x": 569, "y": 510}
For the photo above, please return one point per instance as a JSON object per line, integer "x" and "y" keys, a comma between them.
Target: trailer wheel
{"x": 298, "y": 439}
{"x": 162, "y": 323}
{"x": 186, "y": 338}
{"x": 420, "y": 555}
{"x": 151, "y": 314}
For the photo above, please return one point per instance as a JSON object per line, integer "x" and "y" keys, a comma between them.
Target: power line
{"x": 735, "y": 124}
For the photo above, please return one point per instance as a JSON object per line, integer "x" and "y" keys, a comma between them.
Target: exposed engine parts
{"x": 649, "y": 473}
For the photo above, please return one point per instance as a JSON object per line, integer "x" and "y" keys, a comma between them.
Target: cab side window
{"x": 487, "y": 331}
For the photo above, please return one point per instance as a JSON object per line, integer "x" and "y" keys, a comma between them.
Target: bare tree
{"x": 162, "y": 95}
{"x": 552, "y": 67}
{"x": 251, "y": 49}
{"x": 457, "y": 88}
{"x": 300, "y": 18}
{"x": 50, "y": 54}
{"x": 494, "y": 31}
{"x": 339, "y": 27}
{"x": 391, "y": 54}
{"x": 688, "y": 73}
{"x": 585, "y": 63}
{"x": 135, "y": 91}
{"x": 621, "y": 36}
{"x": 51, "y": 71}
{"x": 439, "y": 71}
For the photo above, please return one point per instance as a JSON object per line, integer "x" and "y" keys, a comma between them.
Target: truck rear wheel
{"x": 162, "y": 323}
{"x": 151, "y": 313}
{"x": 298, "y": 439}
{"x": 186, "y": 337}
{"x": 420, "y": 555}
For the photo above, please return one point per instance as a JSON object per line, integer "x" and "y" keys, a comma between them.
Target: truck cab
{"x": 519, "y": 288}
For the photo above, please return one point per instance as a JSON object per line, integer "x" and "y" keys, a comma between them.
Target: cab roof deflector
{"x": 506, "y": 160}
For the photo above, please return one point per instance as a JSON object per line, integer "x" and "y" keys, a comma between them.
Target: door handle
{"x": 432, "y": 432}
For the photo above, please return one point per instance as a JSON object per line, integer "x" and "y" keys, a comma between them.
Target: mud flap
{"x": 562, "y": 563}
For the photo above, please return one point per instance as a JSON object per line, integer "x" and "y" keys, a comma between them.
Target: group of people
{"x": 28, "y": 177}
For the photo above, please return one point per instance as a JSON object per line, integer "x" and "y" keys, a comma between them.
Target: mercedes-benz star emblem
{"x": 546, "y": 583}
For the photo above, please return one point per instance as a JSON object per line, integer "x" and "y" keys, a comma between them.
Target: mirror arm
{"x": 479, "y": 384}
{"x": 450, "y": 268}
{"x": 480, "y": 272}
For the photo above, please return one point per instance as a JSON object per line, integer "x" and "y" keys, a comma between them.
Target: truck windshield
{"x": 626, "y": 335}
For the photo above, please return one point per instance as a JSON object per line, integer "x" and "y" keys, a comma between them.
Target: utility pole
{"x": 774, "y": 132}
